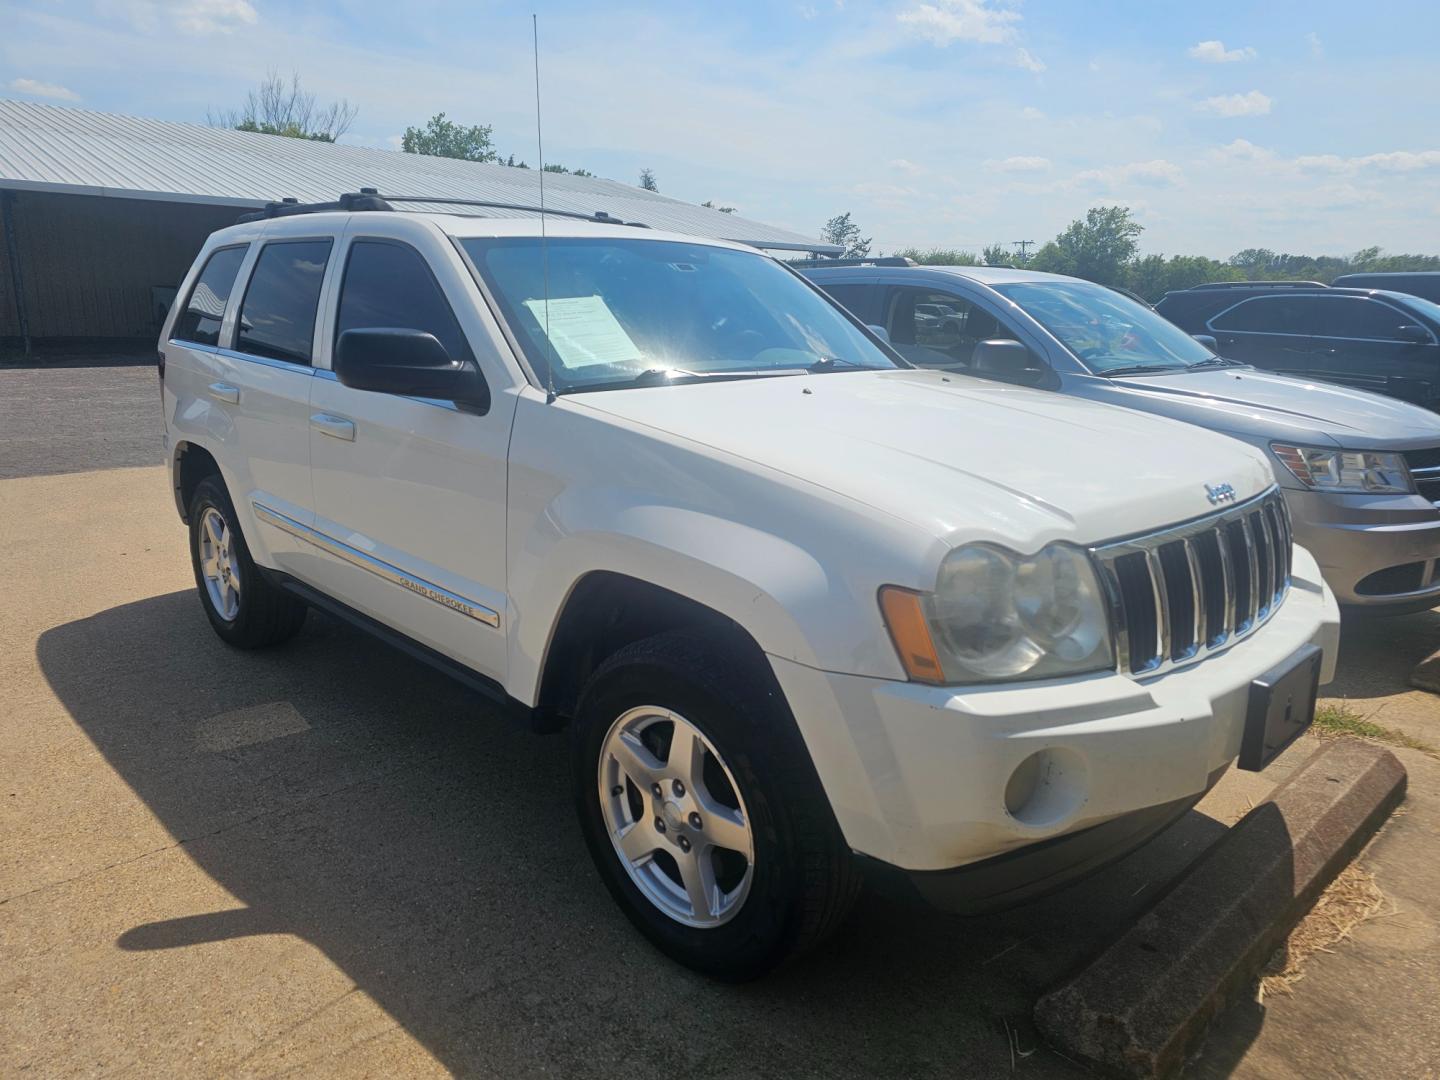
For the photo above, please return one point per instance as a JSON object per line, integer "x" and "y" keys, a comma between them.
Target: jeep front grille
{"x": 1183, "y": 592}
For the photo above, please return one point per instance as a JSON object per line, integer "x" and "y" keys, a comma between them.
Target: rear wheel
{"x": 245, "y": 609}
{"x": 702, "y": 810}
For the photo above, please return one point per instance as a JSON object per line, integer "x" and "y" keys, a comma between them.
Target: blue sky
{"x": 1306, "y": 127}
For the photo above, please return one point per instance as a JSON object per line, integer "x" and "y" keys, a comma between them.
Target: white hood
{"x": 964, "y": 458}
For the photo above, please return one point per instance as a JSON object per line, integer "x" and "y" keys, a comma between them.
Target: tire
{"x": 800, "y": 879}
{"x": 249, "y": 612}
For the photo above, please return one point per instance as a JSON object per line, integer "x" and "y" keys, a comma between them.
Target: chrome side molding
{"x": 391, "y": 573}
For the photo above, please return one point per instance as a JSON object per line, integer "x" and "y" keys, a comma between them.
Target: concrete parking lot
{"x": 325, "y": 858}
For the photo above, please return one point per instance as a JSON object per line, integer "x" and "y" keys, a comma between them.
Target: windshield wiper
{"x": 675, "y": 376}
{"x": 1140, "y": 369}
{"x": 1217, "y": 361}
{"x": 834, "y": 363}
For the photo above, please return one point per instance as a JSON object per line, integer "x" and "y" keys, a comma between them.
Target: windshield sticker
{"x": 584, "y": 331}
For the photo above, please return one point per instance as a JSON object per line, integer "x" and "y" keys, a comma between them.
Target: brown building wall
{"x": 89, "y": 263}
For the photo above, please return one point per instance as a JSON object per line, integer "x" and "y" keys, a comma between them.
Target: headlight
{"x": 1345, "y": 470}
{"x": 996, "y": 616}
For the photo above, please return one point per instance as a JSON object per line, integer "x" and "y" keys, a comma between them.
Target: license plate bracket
{"x": 1281, "y": 707}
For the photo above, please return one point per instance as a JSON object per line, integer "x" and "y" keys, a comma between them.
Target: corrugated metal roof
{"x": 57, "y": 148}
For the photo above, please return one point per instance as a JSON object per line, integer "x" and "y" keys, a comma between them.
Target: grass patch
{"x": 1340, "y": 720}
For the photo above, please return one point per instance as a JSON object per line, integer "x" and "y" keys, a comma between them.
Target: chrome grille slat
{"x": 1234, "y": 574}
{"x": 1197, "y": 597}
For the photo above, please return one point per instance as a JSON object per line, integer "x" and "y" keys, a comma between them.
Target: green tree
{"x": 1152, "y": 276}
{"x": 443, "y": 138}
{"x": 647, "y": 180}
{"x": 938, "y": 256}
{"x": 843, "y": 232}
{"x": 276, "y": 107}
{"x": 1097, "y": 247}
{"x": 997, "y": 255}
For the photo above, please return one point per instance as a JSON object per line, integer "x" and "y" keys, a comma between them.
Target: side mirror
{"x": 880, "y": 332}
{"x": 1006, "y": 360}
{"x": 1415, "y": 335}
{"x": 1208, "y": 340}
{"x": 389, "y": 360}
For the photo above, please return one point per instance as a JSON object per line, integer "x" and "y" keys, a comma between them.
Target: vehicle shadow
{"x": 348, "y": 795}
{"x": 1377, "y": 653}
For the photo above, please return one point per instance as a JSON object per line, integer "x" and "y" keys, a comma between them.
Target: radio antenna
{"x": 544, "y": 245}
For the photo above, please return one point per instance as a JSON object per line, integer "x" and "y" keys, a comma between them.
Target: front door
{"x": 410, "y": 493}
{"x": 1361, "y": 347}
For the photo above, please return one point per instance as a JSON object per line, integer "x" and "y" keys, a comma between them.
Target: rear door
{"x": 261, "y": 385}
{"x": 410, "y": 492}
{"x": 1279, "y": 332}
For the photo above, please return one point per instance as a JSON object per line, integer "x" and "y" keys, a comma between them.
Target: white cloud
{"x": 909, "y": 168}
{"x": 1317, "y": 47}
{"x": 962, "y": 20}
{"x": 1029, "y": 112}
{"x": 192, "y": 17}
{"x": 1252, "y": 104}
{"x": 1396, "y": 161}
{"x": 1029, "y": 61}
{"x": 212, "y": 16}
{"x": 1214, "y": 52}
{"x": 1157, "y": 173}
{"x": 36, "y": 88}
{"x": 1243, "y": 150}
{"x": 1019, "y": 165}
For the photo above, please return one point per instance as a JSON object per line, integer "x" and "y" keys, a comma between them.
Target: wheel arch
{"x": 605, "y": 611}
{"x": 190, "y": 464}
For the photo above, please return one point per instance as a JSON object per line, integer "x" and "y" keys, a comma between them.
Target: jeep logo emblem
{"x": 1219, "y": 493}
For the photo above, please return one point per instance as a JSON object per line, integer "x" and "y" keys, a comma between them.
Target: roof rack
{"x": 368, "y": 199}
{"x": 882, "y": 260}
{"x": 1260, "y": 285}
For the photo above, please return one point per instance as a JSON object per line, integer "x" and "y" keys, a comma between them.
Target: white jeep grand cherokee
{"x": 809, "y": 613}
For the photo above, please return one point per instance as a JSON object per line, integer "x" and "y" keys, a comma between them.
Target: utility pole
{"x": 1022, "y": 245}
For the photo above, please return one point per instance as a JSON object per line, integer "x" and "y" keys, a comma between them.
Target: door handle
{"x": 337, "y": 427}
{"x": 225, "y": 392}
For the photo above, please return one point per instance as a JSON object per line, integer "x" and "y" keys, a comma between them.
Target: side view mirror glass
{"x": 1208, "y": 340}
{"x": 1007, "y": 360}
{"x": 412, "y": 363}
{"x": 1416, "y": 335}
{"x": 880, "y": 332}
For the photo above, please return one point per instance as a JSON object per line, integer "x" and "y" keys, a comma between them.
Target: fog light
{"x": 1046, "y": 788}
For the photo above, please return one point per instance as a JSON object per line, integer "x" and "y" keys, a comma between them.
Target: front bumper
{"x": 925, "y": 778}
{"x": 1376, "y": 551}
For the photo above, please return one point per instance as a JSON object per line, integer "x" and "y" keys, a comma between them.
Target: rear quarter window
{"x": 199, "y": 321}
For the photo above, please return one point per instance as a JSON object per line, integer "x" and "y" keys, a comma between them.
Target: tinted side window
{"x": 853, "y": 298}
{"x": 1356, "y": 317}
{"x": 277, "y": 316}
{"x": 937, "y": 329}
{"x": 204, "y": 310}
{"x": 1275, "y": 315}
{"x": 389, "y": 284}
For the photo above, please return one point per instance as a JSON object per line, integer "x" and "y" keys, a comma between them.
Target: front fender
{"x": 778, "y": 592}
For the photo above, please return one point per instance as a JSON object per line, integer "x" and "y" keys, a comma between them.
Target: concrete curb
{"x": 1141, "y": 1007}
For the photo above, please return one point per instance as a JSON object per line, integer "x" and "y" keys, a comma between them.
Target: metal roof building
{"x": 103, "y": 213}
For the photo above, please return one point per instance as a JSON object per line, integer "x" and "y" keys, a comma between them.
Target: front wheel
{"x": 702, "y": 810}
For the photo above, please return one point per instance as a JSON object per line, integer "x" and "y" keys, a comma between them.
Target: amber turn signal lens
{"x": 909, "y": 630}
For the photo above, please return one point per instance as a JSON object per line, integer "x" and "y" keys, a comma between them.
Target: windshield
{"x": 1427, "y": 308}
{"x": 1109, "y": 332}
{"x": 622, "y": 309}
